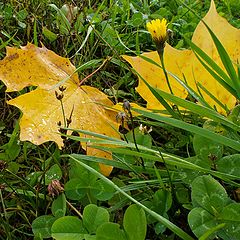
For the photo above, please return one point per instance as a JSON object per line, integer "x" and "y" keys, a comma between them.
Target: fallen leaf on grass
{"x": 185, "y": 65}
{"x": 40, "y": 67}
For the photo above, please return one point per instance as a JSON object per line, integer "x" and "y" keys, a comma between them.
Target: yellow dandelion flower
{"x": 158, "y": 31}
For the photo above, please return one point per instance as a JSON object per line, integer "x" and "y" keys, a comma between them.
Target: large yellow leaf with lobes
{"x": 185, "y": 65}
{"x": 40, "y": 67}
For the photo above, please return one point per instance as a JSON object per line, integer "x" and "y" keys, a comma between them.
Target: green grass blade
{"x": 201, "y": 110}
{"x": 194, "y": 94}
{"x": 212, "y": 230}
{"x": 35, "y": 34}
{"x": 234, "y": 80}
{"x": 218, "y": 77}
{"x": 198, "y": 51}
{"x": 160, "y": 99}
{"x": 213, "y": 97}
{"x": 226, "y": 61}
{"x": 191, "y": 128}
{"x": 91, "y": 63}
{"x": 169, "y": 159}
{"x": 63, "y": 17}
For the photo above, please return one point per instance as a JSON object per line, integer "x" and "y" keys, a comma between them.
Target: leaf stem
{"x": 134, "y": 137}
{"x": 75, "y": 210}
{"x": 160, "y": 53}
{"x": 63, "y": 112}
{"x": 91, "y": 74}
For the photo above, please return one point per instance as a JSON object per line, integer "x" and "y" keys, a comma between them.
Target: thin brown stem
{"x": 91, "y": 74}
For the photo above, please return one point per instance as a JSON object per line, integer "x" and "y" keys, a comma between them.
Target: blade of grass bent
{"x": 198, "y": 109}
{"x": 178, "y": 231}
{"x": 170, "y": 160}
{"x": 160, "y": 99}
{"x": 225, "y": 60}
{"x": 171, "y": 121}
{"x": 191, "y": 128}
{"x": 213, "y": 69}
{"x": 217, "y": 77}
{"x": 234, "y": 79}
{"x": 201, "y": 110}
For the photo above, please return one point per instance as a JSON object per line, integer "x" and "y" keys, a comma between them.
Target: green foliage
{"x": 59, "y": 206}
{"x": 93, "y": 217}
{"x": 41, "y": 226}
{"x": 83, "y": 184}
{"x": 214, "y": 212}
{"x": 68, "y": 228}
{"x": 134, "y": 223}
{"x": 109, "y": 231}
{"x": 172, "y": 188}
{"x": 54, "y": 173}
{"x": 94, "y": 224}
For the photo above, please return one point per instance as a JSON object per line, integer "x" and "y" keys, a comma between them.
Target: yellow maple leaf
{"x": 185, "y": 65}
{"x": 40, "y": 67}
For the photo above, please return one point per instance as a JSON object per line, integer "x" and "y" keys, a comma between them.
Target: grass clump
{"x": 175, "y": 175}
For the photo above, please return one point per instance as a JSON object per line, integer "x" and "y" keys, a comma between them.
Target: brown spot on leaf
{"x": 13, "y": 56}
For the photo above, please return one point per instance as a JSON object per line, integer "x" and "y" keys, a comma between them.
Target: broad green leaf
{"x": 102, "y": 191}
{"x": 201, "y": 221}
{"x": 160, "y": 203}
{"x": 229, "y": 164}
{"x": 162, "y": 199}
{"x": 68, "y": 228}
{"x": 42, "y": 226}
{"x": 188, "y": 175}
{"x": 54, "y": 173}
{"x": 59, "y": 206}
{"x": 209, "y": 194}
{"x": 77, "y": 171}
{"x": 135, "y": 223}
{"x": 226, "y": 225}
{"x": 110, "y": 231}
{"x": 76, "y": 188}
{"x": 93, "y": 217}
{"x": 207, "y": 149}
{"x": 183, "y": 194}
{"x": 230, "y": 215}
